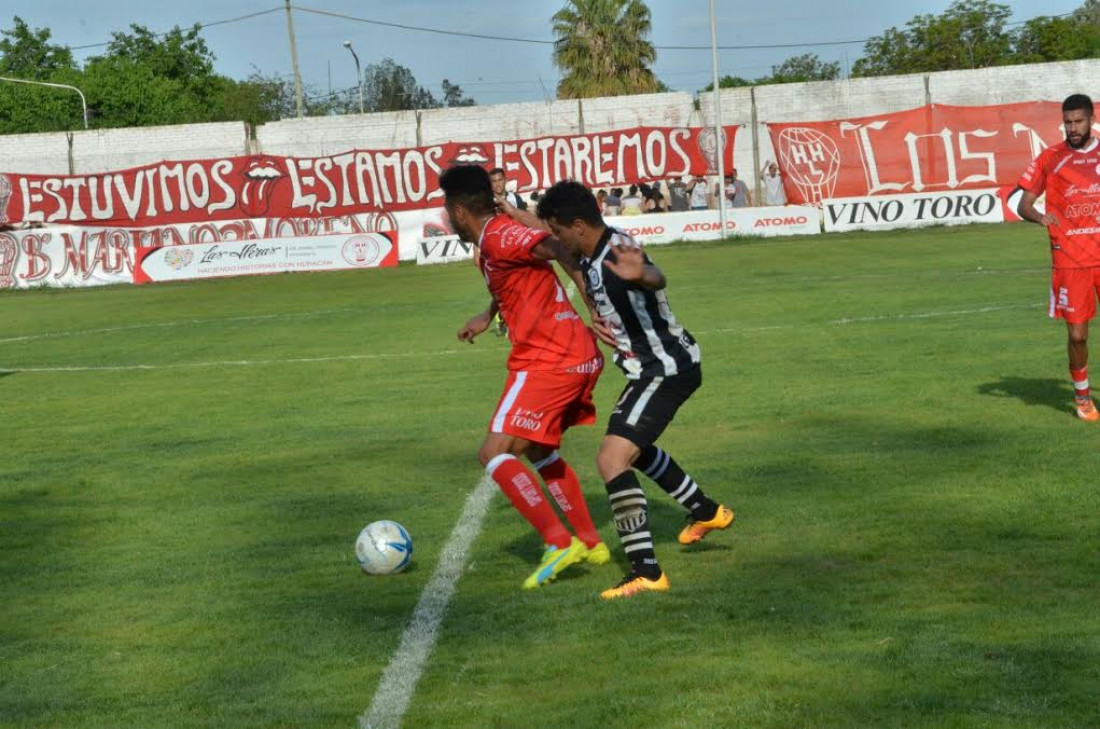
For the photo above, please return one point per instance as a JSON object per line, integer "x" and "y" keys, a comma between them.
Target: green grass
{"x": 916, "y": 544}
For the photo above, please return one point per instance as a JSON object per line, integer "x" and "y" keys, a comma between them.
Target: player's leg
{"x": 649, "y": 422}
{"x": 499, "y": 454}
{"x": 1078, "y": 350}
{"x": 631, "y": 515}
{"x": 562, "y": 483}
{"x": 1073, "y": 299}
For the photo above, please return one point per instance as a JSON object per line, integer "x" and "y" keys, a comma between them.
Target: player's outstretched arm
{"x": 478, "y": 323}
{"x": 524, "y": 217}
{"x": 1026, "y": 209}
{"x": 630, "y": 265}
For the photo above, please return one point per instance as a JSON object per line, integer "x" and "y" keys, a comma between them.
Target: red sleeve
{"x": 515, "y": 241}
{"x": 1034, "y": 179}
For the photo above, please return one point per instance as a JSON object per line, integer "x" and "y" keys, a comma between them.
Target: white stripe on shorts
{"x": 643, "y": 400}
{"x": 507, "y": 403}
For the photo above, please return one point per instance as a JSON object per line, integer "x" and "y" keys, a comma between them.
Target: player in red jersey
{"x": 1069, "y": 174}
{"x": 552, "y": 370}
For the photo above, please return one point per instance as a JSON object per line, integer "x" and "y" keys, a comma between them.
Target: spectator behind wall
{"x": 774, "y": 194}
{"x": 613, "y": 205}
{"x": 499, "y": 182}
{"x": 697, "y": 193}
{"x": 654, "y": 201}
{"x": 632, "y": 203}
{"x": 736, "y": 193}
{"x": 677, "y": 195}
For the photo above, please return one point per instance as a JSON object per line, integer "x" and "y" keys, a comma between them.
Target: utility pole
{"x": 719, "y": 136}
{"x": 83, "y": 101}
{"x": 358, "y": 73}
{"x": 294, "y": 61}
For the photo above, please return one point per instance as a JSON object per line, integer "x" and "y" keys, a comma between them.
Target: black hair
{"x": 468, "y": 186}
{"x": 1077, "y": 102}
{"x": 496, "y": 171}
{"x": 633, "y": 189}
{"x": 567, "y": 201}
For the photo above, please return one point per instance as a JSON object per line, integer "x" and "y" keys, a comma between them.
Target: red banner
{"x": 931, "y": 148}
{"x": 358, "y": 181}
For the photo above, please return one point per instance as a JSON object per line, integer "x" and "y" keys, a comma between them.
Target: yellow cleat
{"x": 633, "y": 583}
{"x": 1086, "y": 410}
{"x": 696, "y": 530}
{"x": 554, "y": 560}
{"x": 599, "y": 554}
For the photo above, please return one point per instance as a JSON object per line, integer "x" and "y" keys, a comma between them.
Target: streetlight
{"x": 358, "y": 73}
{"x": 83, "y": 101}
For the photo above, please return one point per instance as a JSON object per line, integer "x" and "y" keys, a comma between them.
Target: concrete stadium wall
{"x": 98, "y": 151}
{"x": 104, "y": 150}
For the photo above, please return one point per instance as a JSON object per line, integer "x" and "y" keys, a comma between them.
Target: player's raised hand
{"x": 629, "y": 263}
{"x": 604, "y": 332}
{"x": 475, "y": 326}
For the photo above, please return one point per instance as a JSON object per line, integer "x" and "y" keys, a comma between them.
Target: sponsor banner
{"x": 249, "y": 258}
{"x": 883, "y": 212}
{"x": 65, "y": 255}
{"x": 443, "y": 249}
{"x": 931, "y": 148}
{"x": 661, "y": 228}
{"x": 355, "y": 182}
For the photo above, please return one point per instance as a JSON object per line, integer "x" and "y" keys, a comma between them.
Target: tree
{"x": 1057, "y": 39}
{"x": 807, "y": 67}
{"x": 389, "y": 86}
{"x": 603, "y": 48}
{"x": 27, "y": 53}
{"x": 453, "y": 95}
{"x": 969, "y": 34}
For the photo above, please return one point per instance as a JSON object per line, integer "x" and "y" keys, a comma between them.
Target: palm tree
{"x": 603, "y": 49}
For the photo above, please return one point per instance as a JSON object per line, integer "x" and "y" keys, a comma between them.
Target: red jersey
{"x": 1071, "y": 180}
{"x": 546, "y": 332}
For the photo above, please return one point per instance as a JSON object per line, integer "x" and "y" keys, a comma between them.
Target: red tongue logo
{"x": 260, "y": 179}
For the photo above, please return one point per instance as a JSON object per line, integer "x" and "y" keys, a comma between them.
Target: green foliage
{"x": 1057, "y": 39}
{"x": 603, "y": 49}
{"x": 389, "y": 86}
{"x": 27, "y": 53}
{"x": 454, "y": 96}
{"x": 796, "y": 69}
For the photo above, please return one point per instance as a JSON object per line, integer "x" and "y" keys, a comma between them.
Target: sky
{"x": 490, "y": 71}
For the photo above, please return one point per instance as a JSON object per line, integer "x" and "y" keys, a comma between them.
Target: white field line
{"x": 395, "y": 690}
{"x": 248, "y": 362}
{"x": 166, "y": 325}
{"x": 476, "y": 350}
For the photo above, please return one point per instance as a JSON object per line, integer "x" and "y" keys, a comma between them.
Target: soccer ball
{"x": 383, "y": 548}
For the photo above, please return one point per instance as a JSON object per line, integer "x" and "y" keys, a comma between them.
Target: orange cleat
{"x": 696, "y": 530}
{"x": 633, "y": 583}
{"x": 1086, "y": 410}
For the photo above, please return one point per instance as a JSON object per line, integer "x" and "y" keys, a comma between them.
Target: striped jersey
{"x": 651, "y": 343}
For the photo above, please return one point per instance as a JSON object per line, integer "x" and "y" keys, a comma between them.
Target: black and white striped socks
{"x": 628, "y": 508}
{"x": 666, "y": 472}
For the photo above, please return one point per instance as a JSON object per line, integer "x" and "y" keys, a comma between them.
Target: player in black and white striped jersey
{"x": 661, "y": 361}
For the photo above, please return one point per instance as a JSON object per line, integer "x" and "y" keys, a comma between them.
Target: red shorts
{"x": 1073, "y": 293}
{"x": 540, "y": 406}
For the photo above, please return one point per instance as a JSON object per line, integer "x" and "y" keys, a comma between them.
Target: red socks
{"x": 1080, "y": 382}
{"x": 521, "y": 487}
{"x": 566, "y": 489}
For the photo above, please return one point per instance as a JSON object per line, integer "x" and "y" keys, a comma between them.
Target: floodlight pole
{"x": 83, "y": 101}
{"x": 718, "y": 136}
{"x": 358, "y": 73}
{"x": 298, "y": 104}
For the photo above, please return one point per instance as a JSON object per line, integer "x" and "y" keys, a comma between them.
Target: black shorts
{"x": 647, "y": 406}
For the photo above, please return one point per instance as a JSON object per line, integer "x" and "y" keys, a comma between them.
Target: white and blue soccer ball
{"x": 383, "y": 548}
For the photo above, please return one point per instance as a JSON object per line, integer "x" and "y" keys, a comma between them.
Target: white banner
{"x": 248, "y": 258}
{"x": 884, "y": 212}
{"x": 706, "y": 224}
{"x": 65, "y": 256}
{"x": 443, "y": 249}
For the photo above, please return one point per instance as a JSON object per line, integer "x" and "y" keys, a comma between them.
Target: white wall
{"x": 98, "y": 151}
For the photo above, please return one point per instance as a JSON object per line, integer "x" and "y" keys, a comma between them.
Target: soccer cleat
{"x": 634, "y": 583}
{"x": 554, "y": 560}
{"x": 599, "y": 554}
{"x": 696, "y": 530}
{"x": 1086, "y": 410}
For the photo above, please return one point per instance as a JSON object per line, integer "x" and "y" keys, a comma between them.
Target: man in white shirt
{"x": 774, "y": 194}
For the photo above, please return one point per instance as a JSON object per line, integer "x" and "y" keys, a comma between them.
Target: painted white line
{"x": 933, "y": 314}
{"x": 249, "y": 362}
{"x": 398, "y": 682}
{"x": 166, "y": 324}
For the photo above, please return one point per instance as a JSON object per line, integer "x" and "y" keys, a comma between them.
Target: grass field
{"x": 916, "y": 543}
